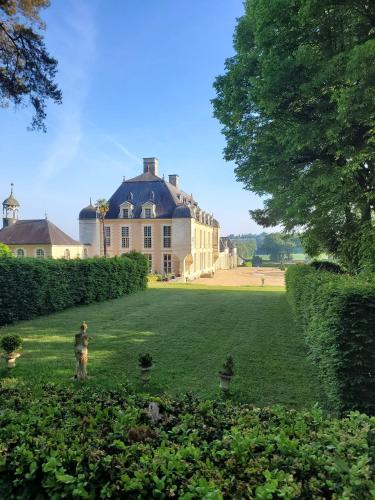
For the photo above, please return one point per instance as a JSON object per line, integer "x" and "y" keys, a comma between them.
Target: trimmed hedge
{"x": 90, "y": 444}
{"x": 337, "y": 315}
{"x": 35, "y": 287}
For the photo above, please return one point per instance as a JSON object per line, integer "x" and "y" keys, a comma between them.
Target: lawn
{"x": 189, "y": 330}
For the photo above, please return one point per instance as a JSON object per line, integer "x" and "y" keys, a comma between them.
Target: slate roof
{"x": 88, "y": 212}
{"x": 35, "y": 232}
{"x": 169, "y": 201}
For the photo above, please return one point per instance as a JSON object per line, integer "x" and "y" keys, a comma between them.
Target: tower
{"x": 10, "y": 209}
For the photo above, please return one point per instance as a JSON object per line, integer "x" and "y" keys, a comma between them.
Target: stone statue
{"x": 81, "y": 342}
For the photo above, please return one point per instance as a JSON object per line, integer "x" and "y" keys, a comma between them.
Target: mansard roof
{"x": 35, "y": 232}
{"x": 148, "y": 187}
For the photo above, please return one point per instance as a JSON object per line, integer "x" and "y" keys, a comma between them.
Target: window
{"x": 20, "y": 252}
{"x": 167, "y": 263}
{"x": 147, "y": 237}
{"x": 85, "y": 253}
{"x": 149, "y": 259}
{"x": 39, "y": 253}
{"x": 125, "y": 213}
{"x": 167, "y": 236}
{"x": 67, "y": 254}
{"x": 148, "y": 213}
{"x": 107, "y": 234}
{"x": 125, "y": 237}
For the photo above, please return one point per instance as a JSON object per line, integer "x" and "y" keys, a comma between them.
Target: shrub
{"x": 11, "y": 343}
{"x": 326, "y": 265}
{"x": 34, "y": 287}
{"x": 93, "y": 444}
{"x": 257, "y": 261}
{"x": 145, "y": 360}
{"x": 337, "y": 315}
{"x": 5, "y": 251}
{"x": 228, "y": 367}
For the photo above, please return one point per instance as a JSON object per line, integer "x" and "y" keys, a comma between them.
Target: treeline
{"x": 278, "y": 246}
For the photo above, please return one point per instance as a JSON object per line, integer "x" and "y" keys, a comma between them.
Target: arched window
{"x": 20, "y": 252}
{"x": 85, "y": 254}
{"x": 39, "y": 253}
{"x": 67, "y": 253}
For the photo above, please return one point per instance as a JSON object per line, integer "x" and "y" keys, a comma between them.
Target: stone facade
{"x": 155, "y": 217}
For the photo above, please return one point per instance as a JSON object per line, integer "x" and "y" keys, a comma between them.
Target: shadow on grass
{"x": 189, "y": 331}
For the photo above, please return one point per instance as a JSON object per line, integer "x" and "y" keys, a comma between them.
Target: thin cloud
{"x": 77, "y": 39}
{"x": 122, "y": 148}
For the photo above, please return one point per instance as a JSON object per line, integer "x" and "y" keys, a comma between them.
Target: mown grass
{"x": 189, "y": 330}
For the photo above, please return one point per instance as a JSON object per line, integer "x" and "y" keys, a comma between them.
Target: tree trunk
{"x": 104, "y": 240}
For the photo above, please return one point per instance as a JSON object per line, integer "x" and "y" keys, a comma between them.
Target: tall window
{"x": 85, "y": 253}
{"x": 39, "y": 253}
{"x": 125, "y": 213}
{"x": 20, "y": 252}
{"x": 149, "y": 259}
{"x": 148, "y": 213}
{"x": 67, "y": 254}
{"x": 107, "y": 232}
{"x": 167, "y": 263}
{"x": 125, "y": 237}
{"x": 167, "y": 236}
{"x": 147, "y": 237}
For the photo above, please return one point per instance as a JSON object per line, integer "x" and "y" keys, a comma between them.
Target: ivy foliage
{"x": 88, "y": 444}
{"x": 34, "y": 287}
{"x": 297, "y": 105}
{"x": 337, "y": 315}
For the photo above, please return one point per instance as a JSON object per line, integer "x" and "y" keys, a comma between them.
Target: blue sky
{"x": 137, "y": 81}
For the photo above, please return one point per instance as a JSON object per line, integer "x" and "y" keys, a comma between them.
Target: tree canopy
{"x": 5, "y": 251}
{"x": 27, "y": 71}
{"x": 297, "y": 102}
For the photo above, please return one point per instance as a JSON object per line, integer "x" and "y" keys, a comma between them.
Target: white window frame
{"x": 147, "y": 238}
{"x": 167, "y": 269}
{"x": 148, "y": 206}
{"x": 108, "y": 236}
{"x": 167, "y": 237}
{"x": 67, "y": 254}
{"x": 150, "y": 260}
{"x": 125, "y": 236}
{"x": 40, "y": 250}
{"x": 22, "y": 250}
{"x": 126, "y": 206}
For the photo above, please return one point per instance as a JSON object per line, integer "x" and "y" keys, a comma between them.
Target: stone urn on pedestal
{"x": 11, "y": 344}
{"x": 145, "y": 366}
{"x": 226, "y": 374}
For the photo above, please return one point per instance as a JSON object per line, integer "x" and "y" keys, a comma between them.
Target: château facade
{"x": 157, "y": 218}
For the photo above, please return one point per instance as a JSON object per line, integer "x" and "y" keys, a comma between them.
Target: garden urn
{"x": 145, "y": 373}
{"x": 11, "y": 359}
{"x": 225, "y": 381}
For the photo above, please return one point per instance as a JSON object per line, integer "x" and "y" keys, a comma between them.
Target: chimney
{"x": 175, "y": 180}
{"x": 150, "y": 165}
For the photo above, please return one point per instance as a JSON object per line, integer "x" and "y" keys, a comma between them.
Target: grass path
{"x": 189, "y": 330}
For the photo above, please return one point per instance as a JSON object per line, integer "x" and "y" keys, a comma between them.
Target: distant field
{"x": 189, "y": 330}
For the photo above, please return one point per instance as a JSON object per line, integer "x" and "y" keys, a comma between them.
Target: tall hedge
{"x": 35, "y": 287}
{"x": 337, "y": 315}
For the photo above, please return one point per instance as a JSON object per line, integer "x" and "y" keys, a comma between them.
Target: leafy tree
{"x": 245, "y": 248}
{"x": 5, "y": 251}
{"x": 278, "y": 246}
{"x": 102, "y": 207}
{"x": 27, "y": 71}
{"x": 297, "y": 103}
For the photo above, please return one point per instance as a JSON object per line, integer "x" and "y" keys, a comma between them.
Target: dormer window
{"x": 148, "y": 210}
{"x": 126, "y": 210}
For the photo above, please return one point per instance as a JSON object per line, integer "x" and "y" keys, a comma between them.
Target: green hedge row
{"x": 89, "y": 444}
{"x": 337, "y": 315}
{"x": 34, "y": 287}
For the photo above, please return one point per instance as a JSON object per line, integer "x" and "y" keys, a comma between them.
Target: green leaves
{"x": 200, "y": 449}
{"x": 35, "y": 287}
{"x": 297, "y": 105}
{"x": 337, "y": 314}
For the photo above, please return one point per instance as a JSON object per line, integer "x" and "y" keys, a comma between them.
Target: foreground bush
{"x": 102, "y": 445}
{"x": 337, "y": 315}
{"x": 34, "y": 287}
